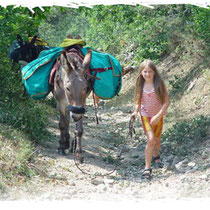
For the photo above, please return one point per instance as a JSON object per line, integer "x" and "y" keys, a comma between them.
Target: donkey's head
{"x": 27, "y": 51}
{"x": 75, "y": 82}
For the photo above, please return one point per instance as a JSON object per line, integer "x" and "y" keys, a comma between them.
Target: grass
{"x": 23, "y": 123}
{"x": 20, "y": 133}
{"x": 180, "y": 84}
{"x": 15, "y": 153}
{"x": 186, "y": 134}
{"x": 27, "y": 116}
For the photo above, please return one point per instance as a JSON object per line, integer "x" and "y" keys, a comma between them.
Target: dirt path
{"x": 179, "y": 179}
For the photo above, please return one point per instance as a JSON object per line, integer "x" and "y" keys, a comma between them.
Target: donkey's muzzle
{"x": 76, "y": 109}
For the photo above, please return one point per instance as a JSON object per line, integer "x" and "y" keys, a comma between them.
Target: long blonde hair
{"x": 159, "y": 85}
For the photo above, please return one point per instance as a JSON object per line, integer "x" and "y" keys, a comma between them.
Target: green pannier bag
{"x": 108, "y": 69}
{"x": 36, "y": 74}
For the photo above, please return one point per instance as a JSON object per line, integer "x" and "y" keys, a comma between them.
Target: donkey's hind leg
{"x": 64, "y": 134}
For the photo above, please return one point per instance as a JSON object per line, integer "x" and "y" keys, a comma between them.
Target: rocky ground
{"x": 104, "y": 176}
{"x": 179, "y": 179}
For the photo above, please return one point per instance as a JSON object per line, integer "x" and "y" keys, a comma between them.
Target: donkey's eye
{"x": 84, "y": 89}
{"x": 68, "y": 89}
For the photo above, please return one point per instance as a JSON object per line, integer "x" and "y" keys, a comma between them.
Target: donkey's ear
{"x": 19, "y": 39}
{"x": 33, "y": 40}
{"x": 69, "y": 36}
{"x": 86, "y": 62}
{"x": 64, "y": 62}
{"x": 78, "y": 37}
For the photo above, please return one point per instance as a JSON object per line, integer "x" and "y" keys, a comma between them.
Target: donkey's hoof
{"x": 80, "y": 159}
{"x": 61, "y": 152}
{"x": 72, "y": 150}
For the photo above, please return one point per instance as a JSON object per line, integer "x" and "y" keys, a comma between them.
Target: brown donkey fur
{"x": 71, "y": 88}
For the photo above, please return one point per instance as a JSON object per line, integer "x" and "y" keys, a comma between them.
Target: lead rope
{"x": 95, "y": 109}
{"x": 129, "y": 136}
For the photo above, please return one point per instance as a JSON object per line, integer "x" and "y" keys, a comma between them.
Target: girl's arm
{"x": 136, "y": 110}
{"x": 165, "y": 106}
{"x": 155, "y": 119}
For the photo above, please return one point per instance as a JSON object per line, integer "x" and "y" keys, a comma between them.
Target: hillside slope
{"x": 186, "y": 153}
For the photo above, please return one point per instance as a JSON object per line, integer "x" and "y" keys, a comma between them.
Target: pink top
{"x": 150, "y": 103}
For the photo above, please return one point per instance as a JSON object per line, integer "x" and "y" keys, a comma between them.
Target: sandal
{"x": 146, "y": 173}
{"x": 157, "y": 164}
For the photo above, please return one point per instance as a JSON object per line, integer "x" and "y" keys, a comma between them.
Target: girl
{"x": 152, "y": 101}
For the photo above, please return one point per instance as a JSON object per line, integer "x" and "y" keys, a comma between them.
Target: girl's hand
{"x": 134, "y": 115}
{"x": 155, "y": 119}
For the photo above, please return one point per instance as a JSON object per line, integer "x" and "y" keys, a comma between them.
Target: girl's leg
{"x": 96, "y": 98}
{"x": 149, "y": 148}
{"x": 157, "y": 132}
{"x": 156, "y": 147}
{"x": 156, "y": 158}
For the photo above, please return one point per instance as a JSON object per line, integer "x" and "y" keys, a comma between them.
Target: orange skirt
{"x": 157, "y": 129}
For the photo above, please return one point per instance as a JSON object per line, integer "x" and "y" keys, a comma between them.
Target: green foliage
{"x": 109, "y": 159}
{"x": 180, "y": 83}
{"x": 22, "y": 121}
{"x": 186, "y": 134}
{"x": 110, "y": 25}
{"x": 201, "y": 23}
{"x": 18, "y": 20}
{"x": 22, "y": 113}
{"x": 31, "y": 118}
{"x": 152, "y": 33}
{"x": 176, "y": 84}
{"x": 15, "y": 157}
{"x": 61, "y": 22}
{"x": 117, "y": 29}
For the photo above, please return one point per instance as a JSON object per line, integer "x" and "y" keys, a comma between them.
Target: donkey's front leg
{"x": 78, "y": 138}
{"x": 64, "y": 134}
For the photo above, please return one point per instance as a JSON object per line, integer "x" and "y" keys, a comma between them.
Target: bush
{"x": 187, "y": 133}
{"x": 153, "y": 32}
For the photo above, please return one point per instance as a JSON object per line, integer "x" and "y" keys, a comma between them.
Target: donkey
{"x": 72, "y": 85}
{"x": 25, "y": 52}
